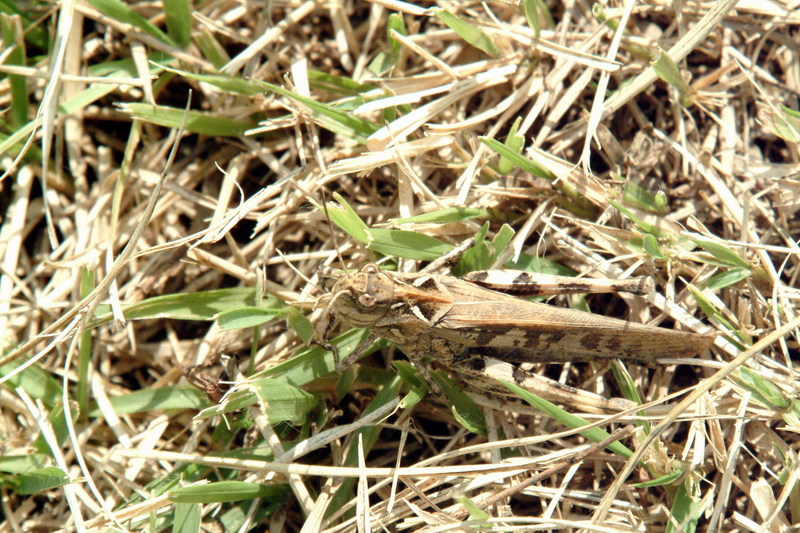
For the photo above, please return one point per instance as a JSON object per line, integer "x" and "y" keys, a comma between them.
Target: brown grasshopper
{"x": 476, "y": 325}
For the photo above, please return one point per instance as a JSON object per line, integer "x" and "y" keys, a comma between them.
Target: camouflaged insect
{"x": 476, "y": 326}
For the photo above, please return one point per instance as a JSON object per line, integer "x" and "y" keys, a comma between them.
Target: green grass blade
{"x": 347, "y": 219}
{"x": 465, "y": 411}
{"x": 443, "y": 216}
{"x": 568, "y": 419}
{"x": 409, "y": 244}
{"x": 227, "y": 491}
{"x": 518, "y": 159}
{"x": 196, "y": 122}
{"x": 227, "y": 84}
{"x": 468, "y": 32}
{"x": 121, "y": 12}
{"x": 338, "y": 121}
{"x": 206, "y": 305}
{"x": 179, "y": 21}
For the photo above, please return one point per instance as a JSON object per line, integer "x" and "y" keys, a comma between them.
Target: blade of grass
{"x": 468, "y": 32}
{"x": 121, "y": 12}
{"x": 196, "y": 122}
{"x": 568, "y": 419}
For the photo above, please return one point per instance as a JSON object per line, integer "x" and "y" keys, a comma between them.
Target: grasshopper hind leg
{"x": 484, "y": 373}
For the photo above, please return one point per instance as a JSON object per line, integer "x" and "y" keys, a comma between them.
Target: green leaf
{"x": 57, "y": 418}
{"x": 723, "y": 254}
{"x": 791, "y": 416}
{"x": 41, "y": 480}
{"x": 332, "y": 83}
{"x": 483, "y": 255}
{"x": 382, "y": 63}
{"x": 227, "y": 491}
{"x": 211, "y": 49}
{"x": 660, "y": 201}
{"x": 315, "y": 362}
{"x": 727, "y": 278}
{"x": 24, "y": 464}
{"x": 283, "y": 402}
{"x": 396, "y": 23}
{"x": 247, "y": 317}
{"x": 343, "y": 122}
{"x": 625, "y": 382}
{"x": 765, "y": 392}
{"x": 687, "y": 508}
{"x": 347, "y": 219}
{"x": 716, "y": 316}
{"x": 514, "y": 143}
{"x": 532, "y": 263}
{"x": 468, "y": 32}
{"x": 477, "y": 257}
{"x": 187, "y": 518}
{"x": 36, "y": 383}
{"x": 475, "y": 512}
{"x": 178, "y": 14}
{"x": 568, "y": 419}
{"x": 14, "y": 46}
{"x": 300, "y": 324}
{"x": 501, "y": 240}
{"x": 465, "y": 411}
{"x": 207, "y": 305}
{"x": 646, "y": 227}
{"x": 650, "y": 245}
{"x": 442, "y": 216}
{"x": 196, "y": 122}
{"x": 32, "y": 29}
{"x": 666, "y": 69}
{"x": 234, "y": 401}
{"x": 639, "y": 197}
{"x": 409, "y": 244}
{"x": 666, "y": 479}
{"x": 121, "y": 12}
{"x": 537, "y": 14}
{"x": 791, "y": 112}
{"x": 419, "y": 387}
{"x": 160, "y": 399}
{"x": 531, "y": 16}
{"x": 520, "y": 160}
{"x": 227, "y": 84}
{"x": 93, "y": 93}
{"x": 407, "y": 373}
{"x": 785, "y": 124}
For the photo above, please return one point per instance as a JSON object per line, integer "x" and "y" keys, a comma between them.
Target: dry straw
{"x": 169, "y": 306}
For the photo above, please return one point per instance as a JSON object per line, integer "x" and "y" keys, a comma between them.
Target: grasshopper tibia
{"x": 530, "y": 284}
{"x": 485, "y": 372}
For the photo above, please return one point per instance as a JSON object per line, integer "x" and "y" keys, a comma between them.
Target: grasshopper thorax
{"x": 363, "y": 298}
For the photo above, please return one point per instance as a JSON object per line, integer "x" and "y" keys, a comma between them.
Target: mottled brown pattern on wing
{"x": 538, "y": 332}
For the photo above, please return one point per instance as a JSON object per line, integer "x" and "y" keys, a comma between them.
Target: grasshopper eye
{"x": 366, "y": 301}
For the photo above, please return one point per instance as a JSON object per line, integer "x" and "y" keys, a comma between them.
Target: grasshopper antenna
{"x": 333, "y": 231}
{"x": 297, "y": 271}
{"x": 325, "y": 322}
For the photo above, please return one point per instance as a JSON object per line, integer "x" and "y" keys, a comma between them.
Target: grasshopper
{"x": 477, "y": 325}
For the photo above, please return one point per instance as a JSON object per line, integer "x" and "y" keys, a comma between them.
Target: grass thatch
{"x": 604, "y": 141}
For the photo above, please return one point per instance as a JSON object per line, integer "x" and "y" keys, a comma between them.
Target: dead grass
{"x": 123, "y": 272}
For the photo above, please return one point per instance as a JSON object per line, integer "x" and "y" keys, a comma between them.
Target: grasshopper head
{"x": 363, "y": 298}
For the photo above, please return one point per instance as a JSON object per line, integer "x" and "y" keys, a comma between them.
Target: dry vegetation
{"x": 167, "y": 305}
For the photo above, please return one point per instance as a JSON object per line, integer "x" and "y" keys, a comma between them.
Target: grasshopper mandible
{"x": 476, "y": 325}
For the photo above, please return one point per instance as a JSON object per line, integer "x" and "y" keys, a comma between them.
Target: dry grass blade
{"x": 620, "y": 140}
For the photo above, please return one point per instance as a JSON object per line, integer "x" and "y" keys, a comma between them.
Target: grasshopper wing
{"x": 513, "y": 329}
